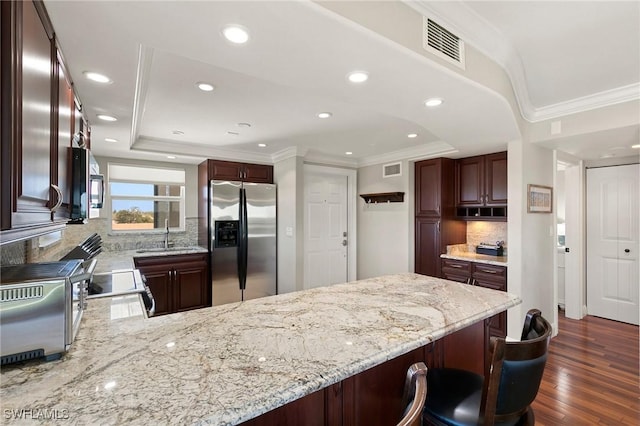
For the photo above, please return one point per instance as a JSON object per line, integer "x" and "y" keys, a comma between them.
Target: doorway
{"x": 329, "y": 226}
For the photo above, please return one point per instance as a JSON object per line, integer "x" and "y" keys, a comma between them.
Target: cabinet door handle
{"x": 59, "y": 198}
{"x": 488, "y": 271}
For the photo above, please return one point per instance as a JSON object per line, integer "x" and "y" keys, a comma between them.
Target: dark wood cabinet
{"x": 63, "y": 129}
{"x": 435, "y": 223}
{"x": 36, "y": 117}
{"x": 230, "y": 170}
{"x": 481, "y": 187}
{"x": 178, "y": 282}
{"x": 372, "y": 397}
{"x": 483, "y": 275}
{"x": 27, "y": 102}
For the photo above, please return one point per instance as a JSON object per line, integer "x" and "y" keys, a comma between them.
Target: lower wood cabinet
{"x": 178, "y": 282}
{"x": 373, "y": 397}
{"x": 460, "y": 346}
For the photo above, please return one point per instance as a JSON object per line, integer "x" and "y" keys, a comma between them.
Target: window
{"x": 145, "y": 198}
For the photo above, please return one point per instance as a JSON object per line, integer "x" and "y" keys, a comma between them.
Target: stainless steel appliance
{"x": 242, "y": 242}
{"x": 119, "y": 283}
{"x": 41, "y": 305}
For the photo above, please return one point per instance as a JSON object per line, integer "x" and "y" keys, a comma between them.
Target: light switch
{"x": 288, "y": 231}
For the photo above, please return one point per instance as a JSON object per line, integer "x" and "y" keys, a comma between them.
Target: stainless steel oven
{"x": 41, "y": 306}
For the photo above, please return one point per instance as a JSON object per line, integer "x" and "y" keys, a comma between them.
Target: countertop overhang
{"x": 230, "y": 363}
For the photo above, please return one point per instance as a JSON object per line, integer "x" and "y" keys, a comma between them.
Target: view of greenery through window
{"x": 143, "y": 206}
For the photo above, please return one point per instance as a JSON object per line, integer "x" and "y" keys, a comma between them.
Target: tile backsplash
{"x": 486, "y": 232}
{"x": 29, "y": 251}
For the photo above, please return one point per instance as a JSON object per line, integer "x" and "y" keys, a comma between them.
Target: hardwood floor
{"x": 591, "y": 376}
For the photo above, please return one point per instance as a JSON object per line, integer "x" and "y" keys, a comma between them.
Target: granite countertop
{"x": 230, "y": 363}
{"x": 111, "y": 261}
{"x": 475, "y": 257}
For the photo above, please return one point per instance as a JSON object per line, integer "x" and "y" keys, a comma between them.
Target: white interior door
{"x": 325, "y": 230}
{"x": 612, "y": 242}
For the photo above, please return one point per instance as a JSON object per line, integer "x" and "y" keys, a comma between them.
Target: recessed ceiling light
{"x": 245, "y": 125}
{"x": 106, "y": 117}
{"x": 324, "y": 115}
{"x": 358, "y": 77}
{"x": 348, "y": 152}
{"x": 433, "y": 102}
{"x": 236, "y": 34}
{"x": 262, "y": 145}
{"x": 171, "y": 157}
{"x": 205, "y": 87}
{"x": 412, "y": 135}
{"x": 98, "y": 78}
{"x": 110, "y": 140}
{"x": 635, "y": 146}
{"x": 177, "y": 132}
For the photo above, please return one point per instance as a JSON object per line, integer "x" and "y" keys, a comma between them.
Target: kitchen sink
{"x": 170, "y": 249}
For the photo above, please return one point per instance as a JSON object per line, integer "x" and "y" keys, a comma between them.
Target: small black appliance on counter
{"x": 491, "y": 249}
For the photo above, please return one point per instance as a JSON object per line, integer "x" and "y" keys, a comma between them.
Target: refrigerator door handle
{"x": 242, "y": 243}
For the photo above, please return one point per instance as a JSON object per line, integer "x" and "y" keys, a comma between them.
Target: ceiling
{"x": 296, "y": 63}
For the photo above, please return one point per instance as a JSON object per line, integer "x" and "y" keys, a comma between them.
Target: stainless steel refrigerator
{"x": 242, "y": 240}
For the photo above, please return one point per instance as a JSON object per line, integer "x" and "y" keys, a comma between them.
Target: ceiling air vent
{"x": 442, "y": 42}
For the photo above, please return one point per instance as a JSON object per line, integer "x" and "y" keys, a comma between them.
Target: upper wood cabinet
{"x": 63, "y": 128}
{"x": 38, "y": 120}
{"x": 27, "y": 94}
{"x": 481, "y": 187}
{"x": 230, "y": 170}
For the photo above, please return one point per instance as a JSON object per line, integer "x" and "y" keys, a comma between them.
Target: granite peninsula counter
{"x": 231, "y": 363}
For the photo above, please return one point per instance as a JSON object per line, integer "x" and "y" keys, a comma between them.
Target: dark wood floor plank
{"x": 592, "y": 375}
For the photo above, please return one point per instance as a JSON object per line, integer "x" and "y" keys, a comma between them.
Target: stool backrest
{"x": 516, "y": 371}
{"x": 415, "y": 394}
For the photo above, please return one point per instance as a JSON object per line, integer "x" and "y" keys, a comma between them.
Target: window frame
{"x": 181, "y": 199}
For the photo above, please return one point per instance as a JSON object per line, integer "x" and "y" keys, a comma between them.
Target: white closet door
{"x": 612, "y": 242}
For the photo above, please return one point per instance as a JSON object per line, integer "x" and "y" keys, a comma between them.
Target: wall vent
{"x": 392, "y": 170}
{"x": 442, "y": 42}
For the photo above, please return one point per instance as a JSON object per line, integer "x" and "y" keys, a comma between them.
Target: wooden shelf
{"x": 495, "y": 213}
{"x": 383, "y": 197}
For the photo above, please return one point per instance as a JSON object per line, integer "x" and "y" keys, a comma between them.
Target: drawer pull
{"x": 456, "y": 266}
{"x": 488, "y": 271}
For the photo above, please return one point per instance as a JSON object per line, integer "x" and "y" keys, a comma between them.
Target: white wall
{"x": 288, "y": 175}
{"x": 531, "y": 236}
{"x": 384, "y": 230}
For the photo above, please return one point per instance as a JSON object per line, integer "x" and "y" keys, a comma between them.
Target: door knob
{"x": 344, "y": 242}
{"x": 627, "y": 250}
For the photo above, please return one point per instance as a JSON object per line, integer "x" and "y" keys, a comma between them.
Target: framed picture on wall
{"x": 539, "y": 199}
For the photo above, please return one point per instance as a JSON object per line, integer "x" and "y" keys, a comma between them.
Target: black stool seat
{"x": 457, "y": 401}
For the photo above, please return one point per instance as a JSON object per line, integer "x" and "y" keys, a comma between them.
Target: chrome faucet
{"x": 166, "y": 233}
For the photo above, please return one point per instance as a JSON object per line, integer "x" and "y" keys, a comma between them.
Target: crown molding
{"x": 287, "y": 153}
{"x": 145, "y": 59}
{"x": 586, "y": 103}
{"x": 198, "y": 151}
{"x": 421, "y": 152}
{"x": 488, "y": 40}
